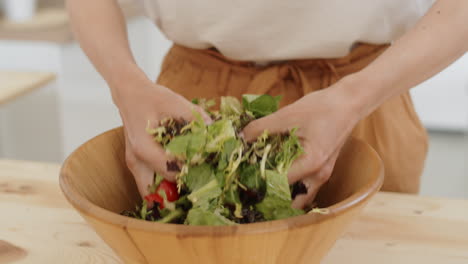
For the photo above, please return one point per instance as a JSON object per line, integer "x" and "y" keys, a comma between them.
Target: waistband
{"x": 213, "y": 58}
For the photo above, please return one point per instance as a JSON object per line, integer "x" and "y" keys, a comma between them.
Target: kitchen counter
{"x": 39, "y": 226}
{"x": 14, "y": 84}
{"x": 51, "y": 24}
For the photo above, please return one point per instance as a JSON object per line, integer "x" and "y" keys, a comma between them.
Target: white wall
{"x": 442, "y": 101}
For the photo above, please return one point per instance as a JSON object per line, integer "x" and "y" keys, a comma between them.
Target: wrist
{"x": 360, "y": 93}
{"x": 125, "y": 81}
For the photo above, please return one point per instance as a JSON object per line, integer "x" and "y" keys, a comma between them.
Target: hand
{"x": 324, "y": 120}
{"x": 144, "y": 102}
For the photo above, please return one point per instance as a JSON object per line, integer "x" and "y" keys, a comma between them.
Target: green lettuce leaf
{"x": 275, "y": 209}
{"x": 230, "y": 107}
{"x": 231, "y": 196}
{"x": 277, "y": 201}
{"x": 250, "y": 177}
{"x": 171, "y": 216}
{"x": 195, "y": 147}
{"x": 288, "y": 152}
{"x": 188, "y": 147}
{"x": 260, "y": 105}
{"x": 204, "y": 103}
{"x": 228, "y": 147}
{"x": 198, "y": 176}
{"x": 197, "y": 124}
{"x": 199, "y": 216}
{"x": 277, "y": 185}
{"x": 178, "y": 146}
{"x": 202, "y": 196}
{"x": 218, "y": 133}
{"x": 220, "y": 177}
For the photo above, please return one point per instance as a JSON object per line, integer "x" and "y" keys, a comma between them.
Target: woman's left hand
{"x": 324, "y": 120}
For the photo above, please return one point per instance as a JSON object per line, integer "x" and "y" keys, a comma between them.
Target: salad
{"x": 221, "y": 178}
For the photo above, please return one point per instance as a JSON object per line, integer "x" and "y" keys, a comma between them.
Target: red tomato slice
{"x": 169, "y": 188}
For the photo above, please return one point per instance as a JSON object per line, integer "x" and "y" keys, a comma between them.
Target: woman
{"x": 292, "y": 48}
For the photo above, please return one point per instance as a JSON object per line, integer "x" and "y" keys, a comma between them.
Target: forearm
{"x": 101, "y": 31}
{"x": 437, "y": 40}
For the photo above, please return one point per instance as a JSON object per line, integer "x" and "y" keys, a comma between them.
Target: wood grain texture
{"x": 396, "y": 228}
{"x": 10, "y": 252}
{"x": 37, "y": 222}
{"x": 14, "y": 84}
{"x": 51, "y": 23}
{"x": 392, "y": 229}
{"x": 97, "y": 183}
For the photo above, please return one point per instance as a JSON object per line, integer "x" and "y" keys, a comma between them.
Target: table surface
{"x": 14, "y": 84}
{"x": 39, "y": 226}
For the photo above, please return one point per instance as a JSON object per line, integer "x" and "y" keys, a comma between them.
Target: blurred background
{"x": 52, "y": 99}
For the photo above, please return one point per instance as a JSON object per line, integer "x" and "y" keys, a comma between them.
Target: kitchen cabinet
{"x": 17, "y": 132}
{"x": 15, "y": 84}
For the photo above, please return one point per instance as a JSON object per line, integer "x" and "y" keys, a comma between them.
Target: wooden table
{"x": 14, "y": 84}
{"x": 38, "y": 226}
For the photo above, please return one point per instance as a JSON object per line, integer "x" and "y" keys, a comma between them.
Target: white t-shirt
{"x": 268, "y": 30}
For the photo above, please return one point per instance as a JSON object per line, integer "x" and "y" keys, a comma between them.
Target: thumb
{"x": 272, "y": 123}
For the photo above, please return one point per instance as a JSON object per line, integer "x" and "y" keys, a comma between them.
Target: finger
{"x": 302, "y": 200}
{"x": 315, "y": 181}
{"x": 187, "y": 112}
{"x": 310, "y": 163}
{"x": 145, "y": 149}
{"x": 144, "y": 177}
{"x": 155, "y": 157}
{"x": 305, "y": 165}
{"x": 142, "y": 173}
{"x": 271, "y": 123}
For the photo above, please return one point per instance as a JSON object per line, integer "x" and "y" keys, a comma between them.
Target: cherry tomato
{"x": 155, "y": 198}
{"x": 169, "y": 188}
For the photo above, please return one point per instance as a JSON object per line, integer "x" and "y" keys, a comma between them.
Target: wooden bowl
{"x": 98, "y": 184}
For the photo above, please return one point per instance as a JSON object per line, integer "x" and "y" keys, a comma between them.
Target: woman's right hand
{"x": 140, "y": 102}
